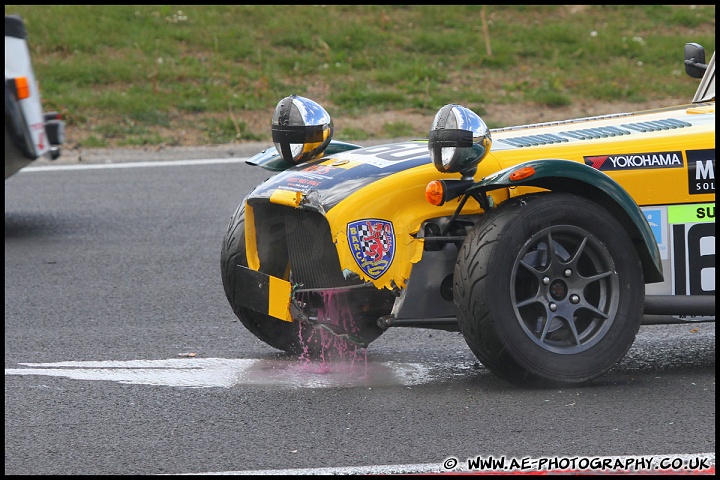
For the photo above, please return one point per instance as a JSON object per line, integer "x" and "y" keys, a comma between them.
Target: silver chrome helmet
{"x": 458, "y": 140}
{"x": 301, "y": 129}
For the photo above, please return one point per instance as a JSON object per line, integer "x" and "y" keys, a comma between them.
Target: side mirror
{"x": 695, "y": 65}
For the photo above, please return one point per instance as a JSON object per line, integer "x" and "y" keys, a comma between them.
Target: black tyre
{"x": 354, "y": 325}
{"x": 549, "y": 290}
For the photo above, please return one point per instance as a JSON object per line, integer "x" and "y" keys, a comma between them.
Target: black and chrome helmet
{"x": 458, "y": 140}
{"x": 301, "y": 129}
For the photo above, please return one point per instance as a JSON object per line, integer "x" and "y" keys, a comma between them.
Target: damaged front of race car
{"x": 333, "y": 244}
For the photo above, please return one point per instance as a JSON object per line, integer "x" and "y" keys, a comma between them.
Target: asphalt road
{"x": 122, "y": 355}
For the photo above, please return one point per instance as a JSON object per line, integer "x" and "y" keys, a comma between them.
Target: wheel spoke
{"x": 529, "y": 301}
{"x": 533, "y": 271}
{"x": 596, "y": 277}
{"x": 588, "y": 306}
{"x": 578, "y": 253}
{"x": 579, "y": 283}
{"x": 545, "y": 327}
{"x": 571, "y": 324}
{"x": 553, "y": 257}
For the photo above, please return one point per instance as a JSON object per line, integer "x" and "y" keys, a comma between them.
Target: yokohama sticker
{"x": 372, "y": 243}
{"x": 701, "y": 171}
{"x": 633, "y": 161}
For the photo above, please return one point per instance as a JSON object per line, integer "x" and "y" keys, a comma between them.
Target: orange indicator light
{"x": 522, "y": 173}
{"x": 22, "y": 87}
{"x": 435, "y": 193}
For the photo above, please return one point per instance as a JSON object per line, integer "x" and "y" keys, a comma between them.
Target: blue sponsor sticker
{"x": 372, "y": 243}
{"x": 657, "y": 218}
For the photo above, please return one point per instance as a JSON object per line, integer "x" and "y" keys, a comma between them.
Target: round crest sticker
{"x": 372, "y": 243}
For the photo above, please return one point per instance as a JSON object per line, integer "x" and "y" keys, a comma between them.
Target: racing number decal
{"x": 389, "y": 156}
{"x": 693, "y": 240}
{"x": 396, "y": 152}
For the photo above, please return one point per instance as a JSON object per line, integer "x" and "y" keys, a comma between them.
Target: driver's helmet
{"x": 459, "y": 139}
{"x": 301, "y": 129}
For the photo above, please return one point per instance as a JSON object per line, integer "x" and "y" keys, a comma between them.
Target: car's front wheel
{"x": 549, "y": 289}
{"x": 346, "y": 321}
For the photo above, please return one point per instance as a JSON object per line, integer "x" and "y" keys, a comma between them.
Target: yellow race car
{"x": 545, "y": 245}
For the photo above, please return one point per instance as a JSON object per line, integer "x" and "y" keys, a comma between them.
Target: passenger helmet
{"x": 301, "y": 129}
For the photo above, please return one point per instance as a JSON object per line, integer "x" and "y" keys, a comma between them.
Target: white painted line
{"x": 162, "y": 163}
{"x": 227, "y": 373}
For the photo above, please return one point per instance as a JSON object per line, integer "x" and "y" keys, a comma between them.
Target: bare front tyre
{"x": 549, "y": 290}
{"x": 326, "y": 323}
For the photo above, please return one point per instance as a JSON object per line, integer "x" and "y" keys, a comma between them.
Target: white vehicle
{"x": 30, "y": 133}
